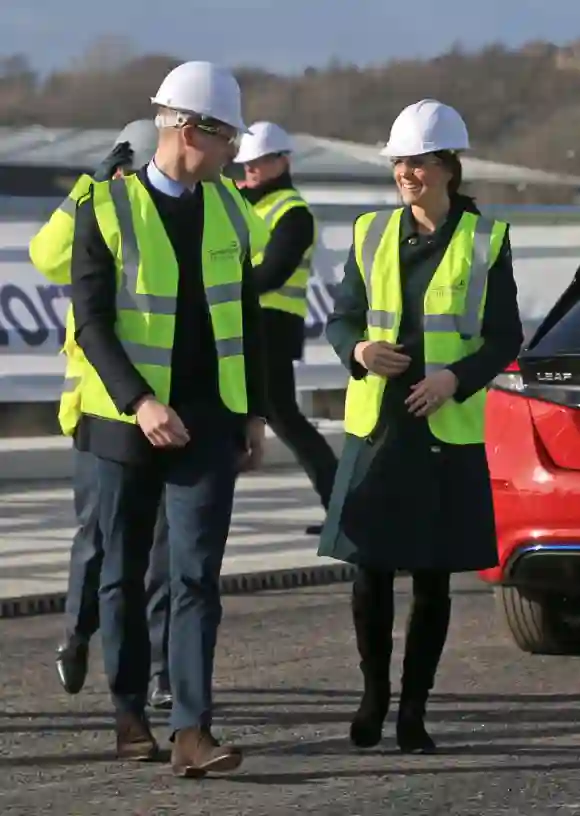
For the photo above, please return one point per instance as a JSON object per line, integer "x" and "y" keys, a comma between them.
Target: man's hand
{"x": 120, "y": 156}
{"x": 253, "y": 456}
{"x": 384, "y": 359}
{"x": 432, "y": 392}
{"x": 160, "y": 424}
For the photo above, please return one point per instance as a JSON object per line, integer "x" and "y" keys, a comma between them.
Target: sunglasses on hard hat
{"x": 213, "y": 127}
{"x": 206, "y": 124}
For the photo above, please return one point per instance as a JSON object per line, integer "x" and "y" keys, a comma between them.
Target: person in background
{"x": 281, "y": 275}
{"x": 169, "y": 322}
{"x": 50, "y": 252}
{"x": 425, "y": 317}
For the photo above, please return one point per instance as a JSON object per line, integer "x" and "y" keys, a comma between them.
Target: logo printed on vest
{"x": 225, "y": 252}
{"x": 454, "y": 288}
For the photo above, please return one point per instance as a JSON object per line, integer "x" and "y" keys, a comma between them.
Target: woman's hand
{"x": 384, "y": 359}
{"x": 431, "y": 393}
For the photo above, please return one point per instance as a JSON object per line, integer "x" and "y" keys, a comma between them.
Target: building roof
{"x": 319, "y": 156}
{"x": 315, "y": 157}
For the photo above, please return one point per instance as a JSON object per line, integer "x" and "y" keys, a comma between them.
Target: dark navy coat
{"x": 407, "y": 501}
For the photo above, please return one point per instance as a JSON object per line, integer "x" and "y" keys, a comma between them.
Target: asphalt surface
{"x": 508, "y": 724}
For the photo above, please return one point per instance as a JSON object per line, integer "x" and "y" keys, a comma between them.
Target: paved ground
{"x": 271, "y": 513}
{"x": 508, "y": 724}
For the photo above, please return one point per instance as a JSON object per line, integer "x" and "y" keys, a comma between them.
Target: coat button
{"x": 413, "y": 241}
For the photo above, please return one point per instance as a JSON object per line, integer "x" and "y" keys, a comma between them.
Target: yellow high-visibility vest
{"x": 51, "y": 248}
{"x": 291, "y": 297}
{"x": 50, "y": 252}
{"x": 147, "y": 283}
{"x": 453, "y": 314}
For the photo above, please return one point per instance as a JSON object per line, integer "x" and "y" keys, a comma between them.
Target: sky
{"x": 279, "y": 35}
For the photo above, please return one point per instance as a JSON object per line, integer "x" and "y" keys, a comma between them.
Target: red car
{"x": 533, "y": 446}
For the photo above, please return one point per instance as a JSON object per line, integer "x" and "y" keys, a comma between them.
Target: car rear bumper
{"x": 551, "y": 567}
{"x": 537, "y": 505}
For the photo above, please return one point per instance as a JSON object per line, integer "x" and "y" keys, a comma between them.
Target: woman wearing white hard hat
{"x": 425, "y": 317}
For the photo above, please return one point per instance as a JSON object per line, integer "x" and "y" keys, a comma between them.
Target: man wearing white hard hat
{"x": 425, "y": 317}
{"x": 281, "y": 275}
{"x": 173, "y": 399}
{"x": 50, "y": 252}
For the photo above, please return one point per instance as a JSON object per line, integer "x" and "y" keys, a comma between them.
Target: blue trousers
{"x": 82, "y": 601}
{"x": 198, "y": 487}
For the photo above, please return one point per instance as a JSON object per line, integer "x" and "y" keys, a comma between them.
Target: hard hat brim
{"x": 391, "y": 153}
{"x": 251, "y": 155}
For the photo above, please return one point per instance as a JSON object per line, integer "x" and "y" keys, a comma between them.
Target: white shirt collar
{"x": 163, "y": 183}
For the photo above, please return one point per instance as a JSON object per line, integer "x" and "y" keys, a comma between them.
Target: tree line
{"x": 521, "y": 106}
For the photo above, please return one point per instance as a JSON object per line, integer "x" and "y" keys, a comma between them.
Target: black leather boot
{"x": 412, "y": 736}
{"x": 426, "y": 634}
{"x": 366, "y": 728}
{"x": 372, "y": 611}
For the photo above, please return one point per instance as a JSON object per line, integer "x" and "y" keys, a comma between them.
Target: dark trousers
{"x": 82, "y": 601}
{"x": 198, "y": 484}
{"x": 427, "y": 626}
{"x": 310, "y": 448}
{"x": 157, "y": 598}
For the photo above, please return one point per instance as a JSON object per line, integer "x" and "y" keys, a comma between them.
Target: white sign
{"x": 32, "y": 310}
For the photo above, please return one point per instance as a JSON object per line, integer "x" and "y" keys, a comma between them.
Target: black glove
{"x": 120, "y": 156}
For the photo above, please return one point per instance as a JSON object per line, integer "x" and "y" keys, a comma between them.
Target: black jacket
{"x": 194, "y": 381}
{"x": 290, "y": 238}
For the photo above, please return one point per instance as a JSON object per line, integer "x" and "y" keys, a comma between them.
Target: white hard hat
{"x": 203, "y": 88}
{"x": 142, "y": 136}
{"x": 264, "y": 139}
{"x": 426, "y": 127}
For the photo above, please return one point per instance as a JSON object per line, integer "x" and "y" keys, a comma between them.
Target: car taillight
{"x": 510, "y": 380}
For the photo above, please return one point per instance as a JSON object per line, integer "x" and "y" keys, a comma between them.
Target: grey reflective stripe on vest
{"x": 130, "y": 300}
{"x": 381, "y": 319}
{"x": 140, "y": 354}
{"x": 371, "y": 243}
{"x": 70, "y": 384}
{"x": 68, "y": 206}
{"x": 236, "y": 217}
{"x": 230, "y": 347}
{"x": 230, "y": 292}
{"x": 224, "y": 293}
{"x": 269, "y": 216}
{"x": 470, "y": 321}
{"x": 467, "y": 324}
{"x": 127, "y": 297}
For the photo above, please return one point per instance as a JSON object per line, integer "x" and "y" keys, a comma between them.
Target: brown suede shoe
{"x": 196, "y": 753}
{"x": 134, "y": 738}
